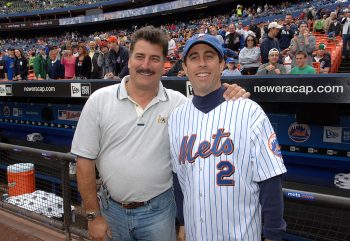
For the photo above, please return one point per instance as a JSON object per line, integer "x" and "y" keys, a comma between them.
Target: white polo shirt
{"x": 130, "y": 145}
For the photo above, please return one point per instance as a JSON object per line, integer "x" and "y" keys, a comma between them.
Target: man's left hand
{"x": 234, "y": 92}
{"x": 181, "y": 236}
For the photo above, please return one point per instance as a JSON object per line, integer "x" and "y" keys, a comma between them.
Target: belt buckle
{"x": 133, "y": 205}
{"x": 125, "y": 205}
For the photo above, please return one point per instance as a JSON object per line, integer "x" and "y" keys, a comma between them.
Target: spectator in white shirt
{"x": 214, "y": 32}
{"x": 240, "y": 29}
{"x": 346, "y": 32}
{"x": 249, "y": 56}
{"x": 171, "y": 45}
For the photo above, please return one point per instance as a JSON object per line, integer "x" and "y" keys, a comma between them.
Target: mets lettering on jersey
{"x": 219, "y": 158}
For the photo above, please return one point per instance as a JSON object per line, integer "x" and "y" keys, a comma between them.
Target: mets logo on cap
{"x": 274, "y": 146}
{"x": 200, "y": 36}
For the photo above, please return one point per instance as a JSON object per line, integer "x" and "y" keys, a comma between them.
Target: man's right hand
{"x": 99, "y": 229}
{"x": 109, "y": 75}
{"x": 270, "y": 67}
{"x": 181, "y": 73}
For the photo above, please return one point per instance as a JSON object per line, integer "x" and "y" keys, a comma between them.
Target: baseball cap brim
{"x": 275, "y": 26}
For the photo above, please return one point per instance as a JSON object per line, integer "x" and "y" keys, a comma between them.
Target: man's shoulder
{"x": 263, "y": 66}
{"x": 105, "y": 92}
{"x": 246, "y": 105}
{"x": 265, "y": 40}
{"x": 181, "y": 107}
{"x": 294, "y": 70}
{"x": 311, "y": 37}
{"x": 280, "y": 66}
{"x": 124, "y": 49}
{"x": 250, "y": 110}
{"x": 175, "y": 95}
{"x": 311, "y": 69}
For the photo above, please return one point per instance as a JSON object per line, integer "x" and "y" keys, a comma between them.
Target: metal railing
{"x": 41, "y": 185}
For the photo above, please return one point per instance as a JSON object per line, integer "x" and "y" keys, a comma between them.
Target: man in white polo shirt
{"x": 123, "y": 130}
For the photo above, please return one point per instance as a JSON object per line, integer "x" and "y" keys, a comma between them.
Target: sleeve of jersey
{"x": 265, "y": 151}
{"x": 173, "y": 145}
{"x": 86, "y": 140}
{"x": 179, "y": 198}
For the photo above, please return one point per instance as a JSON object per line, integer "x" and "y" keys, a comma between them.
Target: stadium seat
{"x": 317, "y": 66}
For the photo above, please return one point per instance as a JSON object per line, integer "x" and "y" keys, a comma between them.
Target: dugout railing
{"x": 41, "y": 185}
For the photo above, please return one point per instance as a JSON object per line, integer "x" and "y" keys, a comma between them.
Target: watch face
{"x": 90, "y": 216}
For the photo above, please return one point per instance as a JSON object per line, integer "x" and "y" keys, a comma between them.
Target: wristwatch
{"x": 92, "y": 215}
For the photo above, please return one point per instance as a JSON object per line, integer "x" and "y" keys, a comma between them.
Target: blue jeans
{"x": 152, "y": 222}
{"x": 346, "y": 39}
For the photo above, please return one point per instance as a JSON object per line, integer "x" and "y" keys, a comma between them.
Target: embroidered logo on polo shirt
{"x": 162, "y": 119}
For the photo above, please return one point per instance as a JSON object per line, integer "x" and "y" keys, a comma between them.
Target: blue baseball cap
{"x": 203, "y": 39}
{"x": 231, "y": 60}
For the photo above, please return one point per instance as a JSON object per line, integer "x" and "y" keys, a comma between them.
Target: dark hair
{"x": 255, "y": 41}
{"x": 301, "y": 53}
{"x": 152, "y": 35}
{"x": 21, "y": 52}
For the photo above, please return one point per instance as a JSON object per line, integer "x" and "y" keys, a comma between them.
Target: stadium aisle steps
{"x": 344, "y": 66}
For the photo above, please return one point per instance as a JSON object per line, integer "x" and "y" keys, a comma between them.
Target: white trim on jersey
{"x": 220, "y": 183}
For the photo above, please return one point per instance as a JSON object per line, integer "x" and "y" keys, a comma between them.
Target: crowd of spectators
{"x": 283, "y": 46}
{"x": 24, "y": 6}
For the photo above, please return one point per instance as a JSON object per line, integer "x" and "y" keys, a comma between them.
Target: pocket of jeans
{"x": 162, "y": 202}
{"x": 103, "y": 199}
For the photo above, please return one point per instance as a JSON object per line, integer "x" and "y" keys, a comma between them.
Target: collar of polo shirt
{"x": 122, "y": 93}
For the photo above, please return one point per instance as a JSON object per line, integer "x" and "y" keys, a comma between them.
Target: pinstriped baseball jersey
{"x": 219, "y": 158}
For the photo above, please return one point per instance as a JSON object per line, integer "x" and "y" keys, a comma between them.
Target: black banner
{"x": 34, "y": 24}
{"x": 332, "y": 88}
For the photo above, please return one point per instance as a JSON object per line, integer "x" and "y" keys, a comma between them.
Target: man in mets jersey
{"x": 226, "y": 156}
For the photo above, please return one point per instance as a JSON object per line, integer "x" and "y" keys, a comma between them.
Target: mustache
{"x": 145, "y": 71}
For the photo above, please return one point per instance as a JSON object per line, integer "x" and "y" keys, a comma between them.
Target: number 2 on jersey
{"x": 225, "y": 174}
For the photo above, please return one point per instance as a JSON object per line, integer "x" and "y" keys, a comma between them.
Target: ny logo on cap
{"x": 200, "y": 36}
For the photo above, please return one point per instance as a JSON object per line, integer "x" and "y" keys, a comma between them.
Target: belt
{"x": 132, "y": 205}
